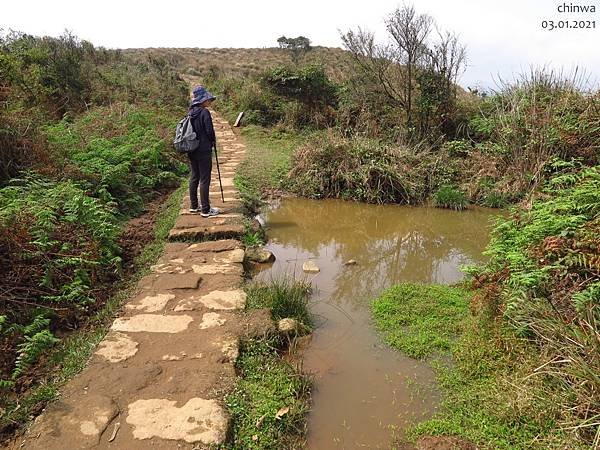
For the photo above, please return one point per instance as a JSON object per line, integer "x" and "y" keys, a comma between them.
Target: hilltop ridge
{"x": 244, "y": 61}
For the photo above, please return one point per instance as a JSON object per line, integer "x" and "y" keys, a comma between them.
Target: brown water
{"x": 365, "y": 393}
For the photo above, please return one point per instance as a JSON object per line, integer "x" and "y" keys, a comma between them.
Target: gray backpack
{"x": 185, "y": 137}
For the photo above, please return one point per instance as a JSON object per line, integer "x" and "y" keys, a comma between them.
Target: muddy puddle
{"x": 366, "y": 394}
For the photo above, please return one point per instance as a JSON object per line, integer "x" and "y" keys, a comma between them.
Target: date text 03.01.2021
{"x": 568, "y": 24}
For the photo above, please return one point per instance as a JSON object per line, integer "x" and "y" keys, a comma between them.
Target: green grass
{"x": 420, "y": 320}
{"x": 253, "y": 237}
{"x": 484, "y": 400}
{"x": 267, "y": 162}
{"x": 268, "y": 386}
{"x": 72, "y": 354}
{"x": 450, "y": 197}
{"x": 495, "y": 200}
{"x": 284, "y": 296}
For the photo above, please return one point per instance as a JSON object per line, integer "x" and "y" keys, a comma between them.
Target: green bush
{"x": 359, "y": 169}
{"x": 118, "y": 153}
{"x": 296, "y": 97}
{"x": 543, "y": 280}
{"x": 495, "y": 199}
{"x": 285, "y": 297}
{"x": 57, "y": 244}
{"x": 47, "y": 79}
{"x": 308, "y": 84}
{"x": 521, "y": 129}
{"x": 458, "y": 149}
{"x": 260, "y": 106}
{"x": 310, "y": 96}
{"x": 450, "y": 197}
{"x": 59, "y": 237}
{"x": 66, "y": 74}
{"x": 47, "y": 71}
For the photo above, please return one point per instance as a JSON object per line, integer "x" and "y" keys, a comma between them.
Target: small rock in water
{"x": 287, "y": 325}
{"x": 350, "y": 262}
{"x": 259, "y": 255}
{"x": 310, "y": 267}
{"x": 260, "y": 219}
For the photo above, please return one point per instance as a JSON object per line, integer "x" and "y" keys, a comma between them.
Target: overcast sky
{"x": 503, "y": 37}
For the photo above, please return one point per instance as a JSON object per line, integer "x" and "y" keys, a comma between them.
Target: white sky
{"x": 503, "y": 37}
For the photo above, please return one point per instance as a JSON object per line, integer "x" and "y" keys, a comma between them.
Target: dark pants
{"x": 200, "y": 168}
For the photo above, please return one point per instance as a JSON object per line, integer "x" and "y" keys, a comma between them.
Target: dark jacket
{"x": 203, "y": 127}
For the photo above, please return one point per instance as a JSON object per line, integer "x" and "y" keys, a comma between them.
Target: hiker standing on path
{"x": 201, "y": 158}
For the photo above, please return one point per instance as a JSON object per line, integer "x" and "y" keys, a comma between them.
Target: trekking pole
{"x": 219, "y": 173}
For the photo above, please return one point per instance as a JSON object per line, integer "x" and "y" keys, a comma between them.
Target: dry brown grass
{"x": 245, "y": 61}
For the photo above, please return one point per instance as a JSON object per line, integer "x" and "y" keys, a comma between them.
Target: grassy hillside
{"x": 201, "y": 62}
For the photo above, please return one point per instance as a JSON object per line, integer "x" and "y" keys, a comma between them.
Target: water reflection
{"x": 362, "y": 387}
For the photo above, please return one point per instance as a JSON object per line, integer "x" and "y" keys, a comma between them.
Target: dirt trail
{"x": 159, "y": 377}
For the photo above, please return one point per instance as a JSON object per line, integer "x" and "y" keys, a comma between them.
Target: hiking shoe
{"x": 196, "y": 210}
{"x": 211, "y": 212}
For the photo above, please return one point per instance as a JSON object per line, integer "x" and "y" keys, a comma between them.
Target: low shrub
{"x": 67, "y": 75}
{"x": 294, "y": 97}
{"x": 284, "y": 296}
{"x": 495, "y": 199}
{"x": 260, "y": 106}
{"x": 543, "y": 280}
{"x": 59, "y": 250}
{"x": 360, "y": 169}
{"x": 58, "y": 245}
{"x": 120, "y": 153}
{"x": 44, "y": 80}
{"x": 311, "y": 96}
{"x": 253, "y": 236}
{"x": 460, "y": 148}
{"x": 450, "y": 197}
{"x": 520, "y": 130}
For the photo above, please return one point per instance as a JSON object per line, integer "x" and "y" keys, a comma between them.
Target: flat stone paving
{"x": 159, "y": 377}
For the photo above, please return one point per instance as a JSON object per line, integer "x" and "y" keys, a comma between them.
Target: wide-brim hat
{"x": 201, "y": 95}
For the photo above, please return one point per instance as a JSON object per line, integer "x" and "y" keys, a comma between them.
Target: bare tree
{"x": 448, "y": 58}
{"x": 375, "y": 61}
{"x": 409, "y": 31}
{"x": 444, "y": 62}
{"x": 412, "y": 71}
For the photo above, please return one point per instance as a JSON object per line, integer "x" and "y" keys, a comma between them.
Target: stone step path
{"x": 229, "y": 223}
{"x": 159, "y": 378}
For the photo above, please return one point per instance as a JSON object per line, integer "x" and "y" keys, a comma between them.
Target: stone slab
{"x": 198, "y": 420}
